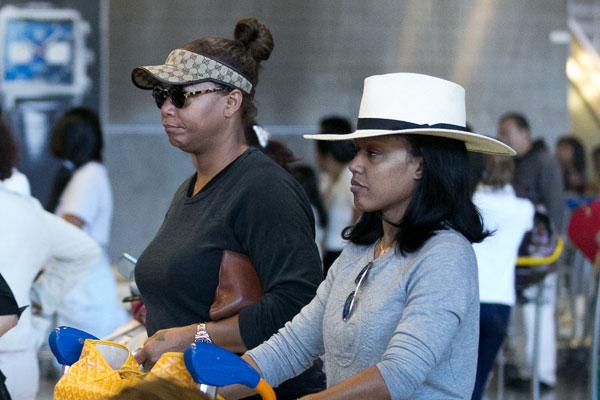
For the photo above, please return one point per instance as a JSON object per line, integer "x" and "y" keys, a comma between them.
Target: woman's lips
{"x": 355, "y": 186}
{"x": 171, "y": 128}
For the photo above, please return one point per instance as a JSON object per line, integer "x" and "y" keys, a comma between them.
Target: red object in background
{"x": 138, "y": 310}
{"x": 584, "y": 229}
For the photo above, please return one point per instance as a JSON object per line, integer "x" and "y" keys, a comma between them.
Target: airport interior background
{"x": 538, "y": 57}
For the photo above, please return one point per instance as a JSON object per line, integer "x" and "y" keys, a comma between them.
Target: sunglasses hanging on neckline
{"x": 351, "y": 300}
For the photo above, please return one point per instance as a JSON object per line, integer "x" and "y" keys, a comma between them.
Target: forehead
{"x": 509, "y": 124}
{"x": 564, "y": 146}
{"x": 200, "y": 86}
{"x": 387, "y": 141}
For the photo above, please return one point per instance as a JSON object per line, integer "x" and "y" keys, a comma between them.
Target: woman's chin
{"x": 177, "y": 143}
{"x": 363, "y": 208}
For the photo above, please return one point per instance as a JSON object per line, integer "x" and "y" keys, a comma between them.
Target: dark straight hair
{"x": 519, "y": 119}
{"x": 76, "y": 140}
{"x": 441, "y": 200}
{"x": 308, "y": 179}
{"x": 578, "y": 151}
{"x": 596, "y": 153}
{"x": 343, "y": 151}
{"x": 8, "y": 152}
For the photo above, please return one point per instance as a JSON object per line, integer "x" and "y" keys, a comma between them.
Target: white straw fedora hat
{"x": 416, "y": 104}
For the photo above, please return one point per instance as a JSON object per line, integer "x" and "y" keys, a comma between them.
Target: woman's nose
{"x": 355, "y": 166}
{"x": 167, "y": 108}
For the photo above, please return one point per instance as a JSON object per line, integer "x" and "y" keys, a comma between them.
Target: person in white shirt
{"x": 32, "y": 239}
{"x": 333, "y": 159}
{"x": 18, "y": 183}
{"x": 82, "y": 195}
{"x": 308, "y": 179}
{"x": 508, "y": 218}
{"x": 11, "y": 178}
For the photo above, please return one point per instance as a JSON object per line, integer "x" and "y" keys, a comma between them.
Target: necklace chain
{"x": 380, "y": 249}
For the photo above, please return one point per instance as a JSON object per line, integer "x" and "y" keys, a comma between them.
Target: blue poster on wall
{"x": 42, "y": 54}
{"x": 43, "y": 72}
{"x": 39, "y": 51}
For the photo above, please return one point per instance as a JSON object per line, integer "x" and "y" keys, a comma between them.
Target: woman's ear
{"x": 233, "y": 103}
{"x": 419, "y": 171}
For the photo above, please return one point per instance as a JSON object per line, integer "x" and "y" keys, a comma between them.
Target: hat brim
{"x": 474, "y": 142}
{"x": 148, "y": 76}
{"x": 184, "y": 67}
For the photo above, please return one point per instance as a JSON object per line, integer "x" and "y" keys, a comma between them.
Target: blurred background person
{"x": 18, "y": 182}
{"x": 537, "y": 173}
{"x": 9, "y": 316}
{"x": 508, "y": 218}
{"x": 32, "y": 239}
{"x": 280, "y": 153}
{"x": 476, "y": 164}
{"x": 258, "y": 137}
{"x": 570, "y": 154}
{"x": 82, "y": 195}
{"x": 594, "y": 186}
{"x": 310, "y": 183}
{"x": 332, "y": 159}
{"x": 538, "y": 178}
{"x": 9, "y": 311}
{"x": 12, "y": 179}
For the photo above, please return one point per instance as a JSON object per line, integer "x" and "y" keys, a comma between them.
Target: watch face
{"x": 39, "y": 51}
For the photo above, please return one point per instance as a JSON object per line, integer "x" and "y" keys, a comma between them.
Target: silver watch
{"x": 202, "y": 335}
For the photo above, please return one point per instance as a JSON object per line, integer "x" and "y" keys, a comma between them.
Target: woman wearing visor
{"x": 398, "y": 313}
{"x": 237, "y": 205}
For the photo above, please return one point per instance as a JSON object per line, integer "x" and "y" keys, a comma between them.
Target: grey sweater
{"x": 417, "y": 320}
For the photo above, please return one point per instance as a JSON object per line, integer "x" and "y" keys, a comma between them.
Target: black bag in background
{"x": 539, "y": 242}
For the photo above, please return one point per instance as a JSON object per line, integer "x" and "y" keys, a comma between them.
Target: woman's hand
{"x": 239, "y": 391}
{"x": 165, "y": 340}
{"x": 224, "y": 333}
{"x": 367, "y": 384}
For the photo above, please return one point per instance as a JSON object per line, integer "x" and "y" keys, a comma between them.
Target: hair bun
{"x": 256, "y": 37}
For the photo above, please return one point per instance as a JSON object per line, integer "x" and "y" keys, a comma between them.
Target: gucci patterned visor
{"x": 184, "y": 67}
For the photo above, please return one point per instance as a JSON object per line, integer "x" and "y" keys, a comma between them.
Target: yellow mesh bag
{"x": 171, "y": 367}
{"x": 105, "y": 368}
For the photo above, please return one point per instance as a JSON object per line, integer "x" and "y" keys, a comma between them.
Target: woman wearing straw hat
{"x": 239, "y": 206}
{"x": 398, "y": 314}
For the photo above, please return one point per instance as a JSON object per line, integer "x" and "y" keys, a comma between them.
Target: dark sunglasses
{"x": 352, "y": 298}
{"x": 178, "y": 95}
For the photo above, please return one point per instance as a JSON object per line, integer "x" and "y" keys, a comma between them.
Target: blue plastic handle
{"x": 66, "y": 344}
{"x": 212, "y": 365}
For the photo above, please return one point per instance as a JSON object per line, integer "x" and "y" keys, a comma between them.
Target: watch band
{"x": 202, "y": 335}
